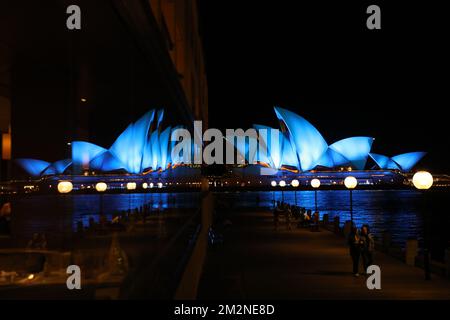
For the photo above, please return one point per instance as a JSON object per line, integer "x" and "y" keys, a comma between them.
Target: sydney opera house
{"x": 145, "y": 148}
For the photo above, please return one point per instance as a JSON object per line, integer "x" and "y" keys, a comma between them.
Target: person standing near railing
{"x": 354, "y": 243}
{"x": 368, "y": 246}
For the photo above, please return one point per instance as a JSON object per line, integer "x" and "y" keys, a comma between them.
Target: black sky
{"x": 322, "y": 62}
{"x": 318, "y": 60}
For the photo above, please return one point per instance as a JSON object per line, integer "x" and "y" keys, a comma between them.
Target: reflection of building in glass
{"x": 144, "y": 146}
{"x": 127, "y": 53}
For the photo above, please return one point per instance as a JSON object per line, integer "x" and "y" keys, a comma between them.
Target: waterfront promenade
{"x": 257, "y": 262}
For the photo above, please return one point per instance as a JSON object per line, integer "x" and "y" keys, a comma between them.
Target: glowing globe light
{"x": 131, "y": 185}
{"x": 282, "y": 183}
{"x": 65, "y": 187}
{"x": 295, "y": 183}
{"x": 315, "y": 183}
{"x": 145, "y": 185}
{"x": 273, "y": 183}
{"x": 422, "y": 180}
{"x": 350, "y": 182}
{"x": 160, "y": 185}
{"x": 101, "y": 187}
{"x": 151, "y": 185}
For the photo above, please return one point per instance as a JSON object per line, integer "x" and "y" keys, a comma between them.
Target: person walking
{"x": 276, "y": 216}
{"x": 354, "y": 243}
{"x": 288, "y": 214}
{"x": 367, "y": 246}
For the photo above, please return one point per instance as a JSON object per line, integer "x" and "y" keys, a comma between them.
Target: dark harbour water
{"x": 396, "y": 211}
{"x": 57, "y": 215}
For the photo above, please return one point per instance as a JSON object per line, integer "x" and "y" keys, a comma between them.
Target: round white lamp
{"x": 423, "y": 180}
{"x": 65, "y": 187}
{"x": 315, "y": 183}
{"x": 131, "y": 186}
{"x": 295, "y": 183}
{"x": 273, "y": 183}
{"x": 350, "y": 182}
{"x": 101, "y": 187}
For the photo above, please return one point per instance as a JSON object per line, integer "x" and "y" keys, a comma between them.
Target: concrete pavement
{"x": 256, "y": 262}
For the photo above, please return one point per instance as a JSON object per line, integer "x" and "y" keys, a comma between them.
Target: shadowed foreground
{"x": 257, "y": 262}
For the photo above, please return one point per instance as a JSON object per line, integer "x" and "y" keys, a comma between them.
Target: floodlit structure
{"x": 403, "y": 162}
{"x": 144, "y": 147}
{"x": 301, "y": 147}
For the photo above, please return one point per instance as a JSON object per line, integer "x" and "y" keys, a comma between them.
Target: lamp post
{"x": 295, "y": 183}
{"x": 101, "y": 188}
{"x": 315, "y": 183}
{"x": 282, "y": 184}
{"x": 351, "y": 183}
{"x": 130, "y": 187}
{"x": 423, "y": 181}
{"x": 273, "y": 184}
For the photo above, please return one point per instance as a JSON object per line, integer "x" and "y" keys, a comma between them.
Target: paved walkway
{"x": 256, "y": 262}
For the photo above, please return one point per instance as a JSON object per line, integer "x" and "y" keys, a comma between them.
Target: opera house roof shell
{"x": 144, "y": 146}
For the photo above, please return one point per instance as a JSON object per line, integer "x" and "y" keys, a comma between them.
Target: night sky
{"x": 321, "y": 62}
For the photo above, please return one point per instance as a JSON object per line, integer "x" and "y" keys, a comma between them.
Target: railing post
{"x": 447, "y": 262}
{"x": 325, "y": 218}
{"x": 387, "y": 240}
{"x": 336, "y": 224}
{"x": 411, "y": 252}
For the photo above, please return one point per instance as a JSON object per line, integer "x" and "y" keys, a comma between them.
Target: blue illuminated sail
{"x": 33, "y": 167}
{"x": 106, "y": 162}
{"x": 83, "y": 152}
{"x": 309, "y": 143}
{"x": 355, "y": 150}
{"x": 408, "y": 160}
{"x": 129, "y": 146}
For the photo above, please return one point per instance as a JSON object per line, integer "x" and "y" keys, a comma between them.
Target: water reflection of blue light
{"x": 396, "y": 211}
{"x": 57, "y": 215}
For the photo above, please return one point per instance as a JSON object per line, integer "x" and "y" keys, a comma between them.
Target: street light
{"x": 145, "y": 185}
{"x": 273, "y": 184}
{"x": 423, "y": 181}
{"x": 282, "y": 184}
{"x": 131, "y": 186}
{"x": 65, "y": 187}
{"x": 101, "y": 187}
{"x": 315, "y": 183}
{"x": 351, "y": 183}
{"x": 295, "y": 183}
